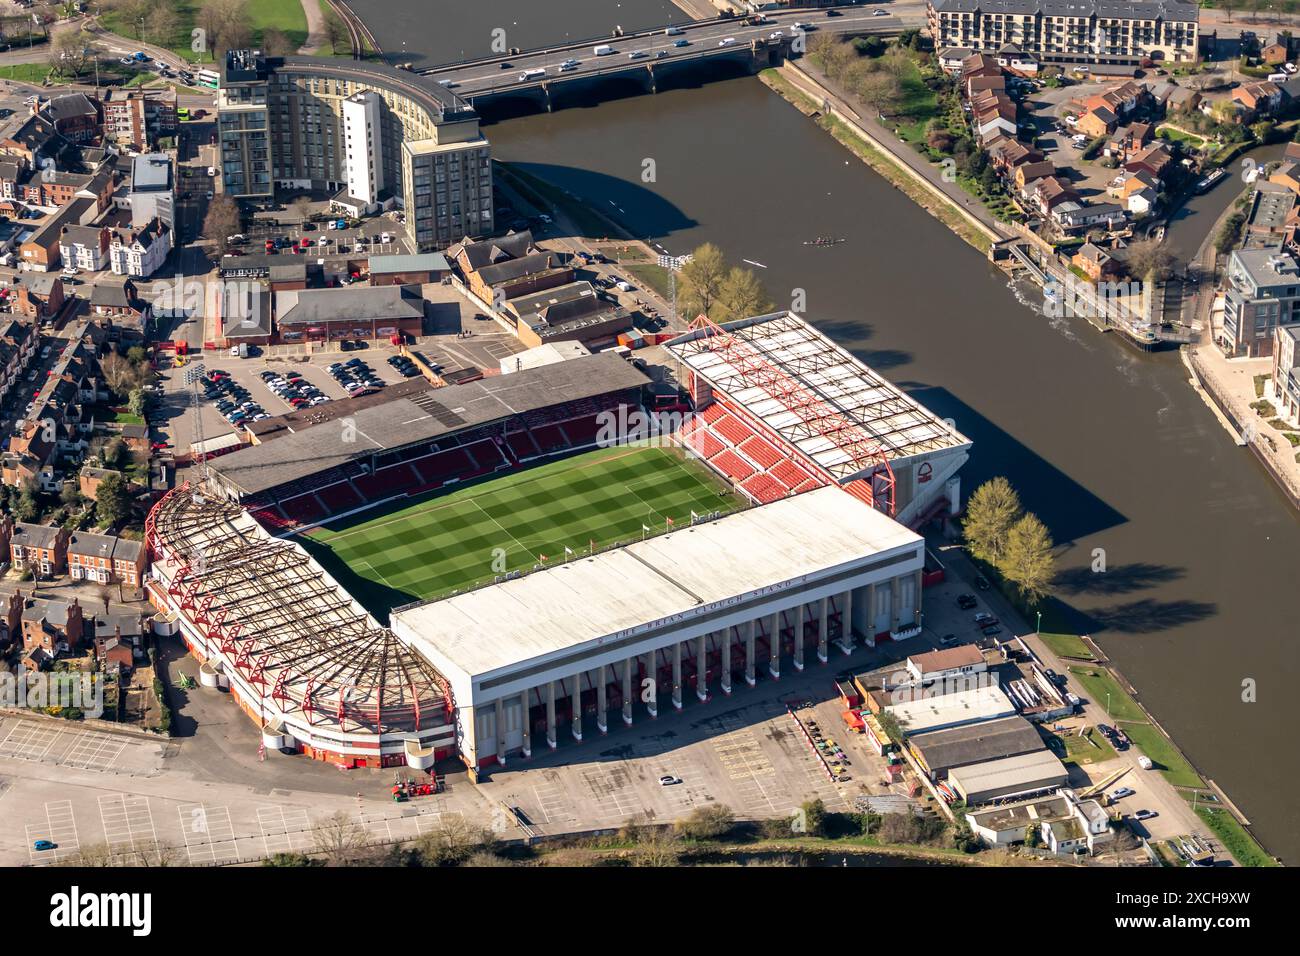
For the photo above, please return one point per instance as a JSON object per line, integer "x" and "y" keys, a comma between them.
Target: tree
{"x": 222, "y": 221}
{"x": 114, "y": 452}
{"x": 1028, "y": 562}
{"x": 70, "y": 495}
{"x": 706, "y": 823}
{"x": 112, "y": 501}
{"x": 277, "y": 43}
{"x": 453, "y": 841}
{"x": 28, "y": 505}
{"x": 68, "y": 54}
{"x": 658, "y": 848}
{"x": 162, "y": 23}
{"x": 301, "y": 207}
{"x": 137, "y": 401}
{"x": 814, "y": 818}
{"x": 990, "y": 513}
{"x": 335, "y": 31}
{"x": 1147, "y": 258}
{"x": 119, "y": 374}
{"x": 741, "y": 295}
{"x": 700, "y": 281}
{"x": 339, "y": 839}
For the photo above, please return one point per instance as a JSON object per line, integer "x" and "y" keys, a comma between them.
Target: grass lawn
{"x": 1099, "y": 684}
{"x": 1163, "y": 753}
{"x": 284, "y": 15}
{"x": 1081, "y": 750}
{"x": 451, "y": 541}
{"x": 653, "y": 276}
{"x": 1066, "y": 645}
{"x": 1234, "y": 836}
{"x": 917, "y": 107}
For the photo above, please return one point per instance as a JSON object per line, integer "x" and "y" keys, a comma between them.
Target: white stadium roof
{"x": 845, "y": 386}
{"x": 588, "y": 599}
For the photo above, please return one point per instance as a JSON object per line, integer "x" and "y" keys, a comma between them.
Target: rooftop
{"x": 899, "y": 424}
{"x": 422, "y": 417}
{"x": 951, "y": 710}
{"x": 627, "y": 592}
{"x": 974, "y": 743}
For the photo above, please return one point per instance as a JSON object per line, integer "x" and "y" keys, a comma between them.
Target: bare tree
{"x": 222, "y": 221}
{"x": 336, "y": 32}
{"x": 339, "y": 838}
{"x": 276, "y": 43}
{"x": 162, "y": 23}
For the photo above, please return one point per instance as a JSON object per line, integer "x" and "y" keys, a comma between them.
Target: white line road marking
{"x": 127, "y": 820}
{"x": 209, "y": 835}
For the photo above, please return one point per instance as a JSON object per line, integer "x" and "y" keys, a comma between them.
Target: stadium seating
{"x": 765, "y": 488}
{"x": 340, "y": 498}
{"x": 304, "y": 509}
{"x": 761, "y": 453}
{"x": 732, "y": 465}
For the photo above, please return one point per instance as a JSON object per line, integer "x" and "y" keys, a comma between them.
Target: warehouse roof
{"x": 427, "y": 262}
{"x": 587, "y": 605}
{"x": 951, "y": 710}
{"x": 385, "y": 303}
{"x": 425, "y": 416}
{"x": 965, "y": 655}
{"x": 974, "y": 743}
{"x": 1031, "y": 771}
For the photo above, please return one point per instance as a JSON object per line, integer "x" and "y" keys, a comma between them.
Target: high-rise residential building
{"x": 363, "y": 132}
{"x": 1065, "y": 32}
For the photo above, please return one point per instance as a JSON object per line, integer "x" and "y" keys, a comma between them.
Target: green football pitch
{"x": 452, "y": 540}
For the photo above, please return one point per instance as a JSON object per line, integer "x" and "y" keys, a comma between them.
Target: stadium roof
{"x": 423, "y": 417}
{"x": 900, "y": 425}
{"x": 301, "y": 639}
{"x": 576, "y": 606}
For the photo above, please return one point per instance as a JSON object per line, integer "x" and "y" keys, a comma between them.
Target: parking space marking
{"x": 60, "y": 829}
{"x": 28, "y": 740}
{"x": 284, "y": 829}
{"x": 91, "y": 751}
{"x": 127, "y": 821}
{"x": 208, "y": 832}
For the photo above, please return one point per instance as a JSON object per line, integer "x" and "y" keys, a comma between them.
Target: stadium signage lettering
{"x": 704, "y": 609}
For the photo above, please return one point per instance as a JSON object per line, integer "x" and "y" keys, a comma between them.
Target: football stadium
{"x": 464, "y": 570}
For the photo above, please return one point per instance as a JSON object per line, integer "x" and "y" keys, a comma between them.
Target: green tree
{"x": 28, "y": 505}
{"x": 1027, "y": 561}
{"x": 112, "y": 500}
{"x": 70, "y": 495}
{"x": 814, "y": 818}
{"x": 990, "y": 513}
{"x": 137, "y": 401}
{"x": 741, "y": 295}
{"x": 700, "y": 281}
{"x": 115, "y": 452}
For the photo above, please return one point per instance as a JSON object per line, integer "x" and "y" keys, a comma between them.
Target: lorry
{"x": 603, "y": 49}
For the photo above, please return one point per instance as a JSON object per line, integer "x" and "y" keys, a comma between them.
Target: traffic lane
{"x": 697, "y": 34}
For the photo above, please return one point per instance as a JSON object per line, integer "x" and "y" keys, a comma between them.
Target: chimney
{"x": 76, "y": 626}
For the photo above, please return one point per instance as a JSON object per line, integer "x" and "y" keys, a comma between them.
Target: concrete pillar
{"x": 774, "y": 645}
{"x": 871, "y": 611}
{"x": 677, "y": 675}
{"x": 725, "y": 676}
{"x": 575, "y": 704}
{"x": 601, "y": 725}
{"x": 528, "y": 729}
{"x": 895, "y": 602}
{"x": 798, "y": 637}
{"x": 846, "y": 622}
{"x": 702, "y": 667}
{"x": 627, "y": 692}
{"x": 501, "y": 731}
{"x": 822, "y": 628}
{"x": 550, "y": 714}
{"x": 750, "y": 679}
{"x": 916, "y": 599}
{"x": 652, "y": 675}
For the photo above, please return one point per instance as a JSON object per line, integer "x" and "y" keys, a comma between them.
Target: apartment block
{"x": 1066, "y": 32}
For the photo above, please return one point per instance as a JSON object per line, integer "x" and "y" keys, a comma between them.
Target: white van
{"x": 603, "y": 50}
{"x": 727, "y": 41}
{"x": 1278, "y": 77}
{"x": 527, "y": 75}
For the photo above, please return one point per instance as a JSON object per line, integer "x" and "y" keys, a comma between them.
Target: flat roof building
{"x": 570, "y": 629}
{"x": 917, "y": 716}
{"x": 941, "y": 751}
{"x": 1019, "y": 776}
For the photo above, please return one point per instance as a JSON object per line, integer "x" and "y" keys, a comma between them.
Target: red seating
{"x": 340, "y": 498}
{"x": 550, "y": 438}
{"x": 731, "y": 465}
{"x": 764, "y": 487}
{"x": 712, "y": 413}
{"x": 522, "y": 444}
{"x": 788, "y": 473}
{"x": 760, "y": 452}
{"x": 304, "y": 509}
{"x": 582, "y": 431}
{"x": 732, "y": 430}
{"x": 703, "y": 443}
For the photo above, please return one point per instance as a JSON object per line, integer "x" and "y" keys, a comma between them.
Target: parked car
{"x": 1146, "y": 814}
{"x": 966, "y": 601}
{"x": 44, "y": 845}
{"x": 1122, "y": 792}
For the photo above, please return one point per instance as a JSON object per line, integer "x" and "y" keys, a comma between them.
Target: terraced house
{"x": 1069, "y": 32}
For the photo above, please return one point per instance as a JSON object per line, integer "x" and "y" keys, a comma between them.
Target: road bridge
{"x": 649, "y": 57}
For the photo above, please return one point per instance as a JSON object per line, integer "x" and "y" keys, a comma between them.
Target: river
{"x": 1110, "y": 447}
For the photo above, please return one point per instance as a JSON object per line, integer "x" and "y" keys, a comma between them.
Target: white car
{"x": 385, "y": 237}
{"x": 212, "y": 171}
{"x": 776, "y": 35}
{"x": 880, "y": 13}
{"x": 727, "y": 41}
{"x": 668, "y": 780}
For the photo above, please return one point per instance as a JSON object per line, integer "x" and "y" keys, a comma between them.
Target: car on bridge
{"x": 879, "y": 13}
{"x": 681, "y": 43}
